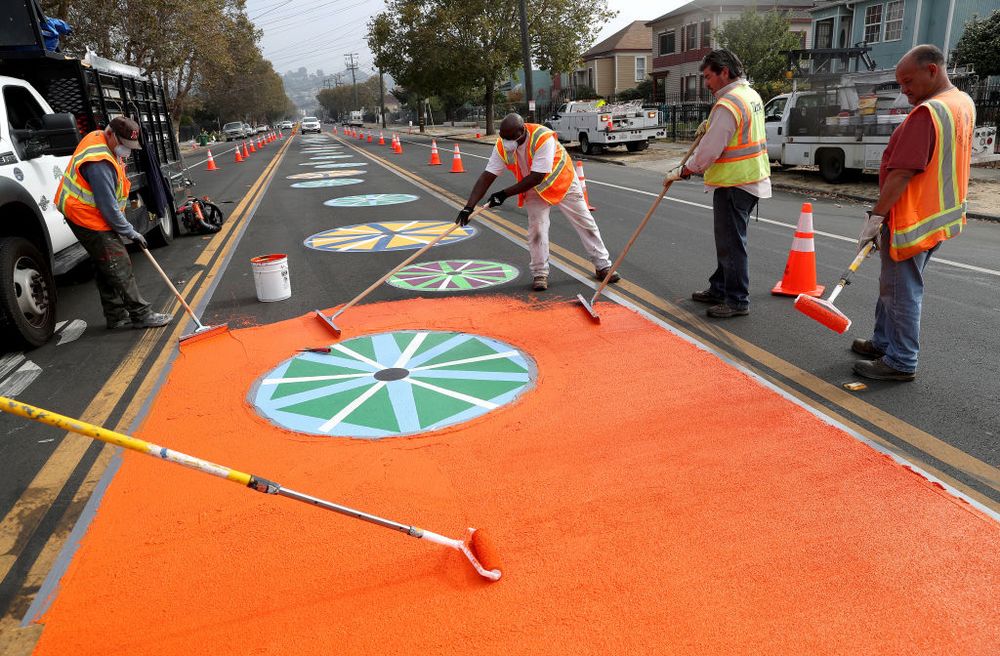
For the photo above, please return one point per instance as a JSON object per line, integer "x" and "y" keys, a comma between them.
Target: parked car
{"x": 248, "y": 130}
{"x": 311, "y": 124}
{"x": 285, "y": 125}
{"x": 261, "y": 128}
{"x": 233, "y": 131}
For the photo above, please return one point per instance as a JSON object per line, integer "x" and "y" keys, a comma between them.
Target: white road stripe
{"x": 351, "y": 407}
{"x": 357, "y": 356}
{"x": 18, "y": 381}
{"x": 72, "y": 332}
{"x": 411, "y": 348}
{"x": 310, "y": 379}
{"x": 455, "y": 395}
{"x": 478, "y": 358}
{"x": 10, "y": 362}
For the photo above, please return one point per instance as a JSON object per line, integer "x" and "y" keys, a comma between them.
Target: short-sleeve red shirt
{"x": 910, "y": 146}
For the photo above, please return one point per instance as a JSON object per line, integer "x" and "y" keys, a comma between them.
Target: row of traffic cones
{"x": 242, "y": 152}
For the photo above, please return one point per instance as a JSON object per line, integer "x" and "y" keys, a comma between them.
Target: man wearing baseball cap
{"x": 92, "y": 196}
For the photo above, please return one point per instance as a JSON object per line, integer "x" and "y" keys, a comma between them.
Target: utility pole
{"x": 352, "y": 66}
{"x": 529, "y": 92}
{"x": 381, "y": 94}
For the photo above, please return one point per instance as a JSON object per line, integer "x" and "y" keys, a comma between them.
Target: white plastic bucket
{"x": 270, "y": 277}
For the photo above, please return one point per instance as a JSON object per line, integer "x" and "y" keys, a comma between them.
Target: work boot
{"x": 723, "y": 311}
{"x": 707, "y": 297}
{"x": 866, "y": 348}
{"x": 600, "y": 274}
{"x": 879, "y": 370}
{"x": 123, "y": 322}
{"x": 152, "y": 320}
{"x": 540, "y": 283}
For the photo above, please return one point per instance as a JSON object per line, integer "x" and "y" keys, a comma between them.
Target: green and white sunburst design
{"x": 371, "y": 200}
{"x": 452, "y": 275}
{"x": 392, "y": 384}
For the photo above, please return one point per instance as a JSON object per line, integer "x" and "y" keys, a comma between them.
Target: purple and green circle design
{"x": 453, "y": 275}
{"x": 371, "y": 200}
{"x": 393, "y": 384}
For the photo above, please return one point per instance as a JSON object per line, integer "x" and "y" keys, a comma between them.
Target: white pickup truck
{"x": 39, "y": 132}
{"x": 357, "y": 119}
{"x": 597, "y": 126}
{"x": 842, "y": 132}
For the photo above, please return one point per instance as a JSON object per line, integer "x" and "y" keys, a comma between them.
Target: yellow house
{"x": 619, "y": 62}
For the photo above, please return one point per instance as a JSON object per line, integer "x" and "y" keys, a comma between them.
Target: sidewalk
{"x": 984, "y": 187}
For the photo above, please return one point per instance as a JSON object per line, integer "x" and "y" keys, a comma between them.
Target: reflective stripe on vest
{"x": 556, "y": 182}
{"x": 74, "y": 197}
{"x": 933, "y": 206}
{"x": 744, "y": 160}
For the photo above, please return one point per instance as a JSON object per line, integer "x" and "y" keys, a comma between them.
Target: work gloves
{"x": 139, "y": 239}
{"x": 497, "y": 199}
{"x": 464, "y": 216}
{"x": 676, "y": 173}
{"x": 871, "y": 230}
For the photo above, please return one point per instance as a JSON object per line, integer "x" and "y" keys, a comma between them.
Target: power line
{"x": 352, "y": 66}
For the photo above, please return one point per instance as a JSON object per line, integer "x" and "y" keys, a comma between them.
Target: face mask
{"x": 122, "y": 151}
{"x": 509, "y": 144}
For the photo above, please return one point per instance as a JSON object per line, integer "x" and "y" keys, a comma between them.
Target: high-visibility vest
{"x": 933, "y": 205}
{"x": 75, "y": 198}
{"x": 556, "y": 183}
{"x": 744, "y": 159}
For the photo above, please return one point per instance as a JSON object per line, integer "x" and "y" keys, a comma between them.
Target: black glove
{"x": 497, "y": 199}
{"x": 139, "y": 239}
{"x": 464, "y": 216}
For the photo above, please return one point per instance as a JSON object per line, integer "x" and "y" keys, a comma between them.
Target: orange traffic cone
{"x": 381, "y": 138}
{"x": 395, "y": 143}
{"x": 211, "y": 163}
{"x": 435, "y": 158}
{"x": 800, "y": 271}
{"x": 479, "y": 135}
{"x": 252, "y": 149}
{"x": 399, "y": 146}
{"x": 370, "y": 139}
{"x": 583, "y": 183}
{"x": 246, "y": 153}
{"x": 456, "y": 161}
{"x": 239, "y": 157}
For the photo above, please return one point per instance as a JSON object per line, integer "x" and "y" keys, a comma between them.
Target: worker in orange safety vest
{"x": 923, "y": 185}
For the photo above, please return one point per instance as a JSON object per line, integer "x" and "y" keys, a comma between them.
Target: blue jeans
{"x": 731, "y": 208}
{"x": 897, "y": 312}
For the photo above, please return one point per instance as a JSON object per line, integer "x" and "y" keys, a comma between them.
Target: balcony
{"x": 666, "y": 61}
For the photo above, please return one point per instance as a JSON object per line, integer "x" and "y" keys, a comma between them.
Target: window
{"x": 23, "y": 112}
{"x": 689, "y": 87}
{"x": 873, "y": 24}
{"x": 774, "y": 110}
{"x": 640, "y": 69}
{"x": 824, "y": 34}
{"x": 667, "y": 43}
{"x": 894, "y": 20}
{"x": 706, "y": 34}
{"x": 691, "y": 37}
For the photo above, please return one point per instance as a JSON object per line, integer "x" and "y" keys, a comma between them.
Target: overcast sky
{"x": 318, "y": 33}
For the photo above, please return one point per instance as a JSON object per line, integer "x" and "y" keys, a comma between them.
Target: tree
{"x": 980, "y": 45}
{"x": 433, "y": 46}
{"x": 757, "y": 38}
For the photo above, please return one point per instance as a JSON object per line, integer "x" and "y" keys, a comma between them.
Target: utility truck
{"x": 842, "y": 122}
{"x": 596, "y": 125}
{"x": 48, "y": 102}
{"x": 357, "y": 119}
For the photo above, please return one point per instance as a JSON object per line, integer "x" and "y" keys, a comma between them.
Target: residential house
{"x": 682, "y": 37}
{"x": 617, "y": 63}
{"x": 891, "y": 27}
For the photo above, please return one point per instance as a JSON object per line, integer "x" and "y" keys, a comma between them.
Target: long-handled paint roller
{"x": 589, "y": 306}
{"x": 824, "y": 311}
{"x": 478, "y": 549}
{"x": 202, "y": 330}
{"x": 328, "y": 320}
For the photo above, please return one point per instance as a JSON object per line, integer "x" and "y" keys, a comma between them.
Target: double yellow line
{"x": 786, "y": 376}
{"x": 27, "y": 513}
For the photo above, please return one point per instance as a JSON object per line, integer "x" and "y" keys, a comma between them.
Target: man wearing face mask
{"x": 92, "y": 196}
{"x": 545, "y": 177}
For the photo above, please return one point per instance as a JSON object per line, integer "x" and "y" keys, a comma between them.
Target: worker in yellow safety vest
{"x": 732, "y": 157}
{"x": 92, "y": 195}
{"x": 923, "y": 185}
{"x": 545, "y": 177}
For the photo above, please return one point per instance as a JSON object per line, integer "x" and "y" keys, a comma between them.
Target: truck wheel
{"x": 637, "y": 146}
{"x": 831, "y": 165}
{"x": 588, "y": 148}
{"x": 163, "y": 233}
{"x": 27, "y": 294}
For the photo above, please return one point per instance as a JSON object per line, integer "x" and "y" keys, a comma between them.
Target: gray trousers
{"x": 116, "y": 283}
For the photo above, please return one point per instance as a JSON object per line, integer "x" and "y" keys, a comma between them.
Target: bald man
{"x": 923, "y": 185}
{"x": 545, "y": 177}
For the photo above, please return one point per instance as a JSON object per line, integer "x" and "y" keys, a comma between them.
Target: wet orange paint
{"x": 645, "y": 498}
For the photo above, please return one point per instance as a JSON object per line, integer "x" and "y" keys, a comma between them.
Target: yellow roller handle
{"x": 10, "y": 406}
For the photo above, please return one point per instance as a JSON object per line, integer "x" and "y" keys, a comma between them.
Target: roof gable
{"x": 635, "y": 36}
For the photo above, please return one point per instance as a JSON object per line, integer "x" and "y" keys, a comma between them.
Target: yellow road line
{"x": 748, "y": 353}
{"x": 28, "y": 511}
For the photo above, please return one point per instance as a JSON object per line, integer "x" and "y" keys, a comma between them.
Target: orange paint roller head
{"x": 484, "y": 550}
{"x": 824, "y": 312}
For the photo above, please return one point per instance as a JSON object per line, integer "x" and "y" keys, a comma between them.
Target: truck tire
{"x": 164, "y": 231}
{"x": 27, "y": 294}
{"x": 637, "y": 146}
{"x": 831, "y": 164}
{"x": 588, "y": 148}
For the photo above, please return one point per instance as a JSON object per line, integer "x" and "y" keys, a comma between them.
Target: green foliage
{"x": 757, "y": 38}
{"x": 980, "y": 45}
{"x": 641, "y": 91}
{"x": 339, "y": 101}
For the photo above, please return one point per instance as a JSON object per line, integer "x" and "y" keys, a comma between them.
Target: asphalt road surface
{"x": 946, "y": 422}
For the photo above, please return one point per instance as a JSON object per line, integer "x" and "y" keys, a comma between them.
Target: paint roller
{"x": 824, "y": 311}
{"x": 476, "y": 547}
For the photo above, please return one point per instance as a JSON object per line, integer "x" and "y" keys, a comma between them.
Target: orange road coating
{"x": 645, "y": 498}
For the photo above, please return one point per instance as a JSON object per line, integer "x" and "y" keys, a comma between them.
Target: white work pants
{"x": 574, "y": 208}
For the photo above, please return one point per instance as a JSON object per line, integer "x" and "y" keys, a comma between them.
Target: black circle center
{"x": 393, "y": 373}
